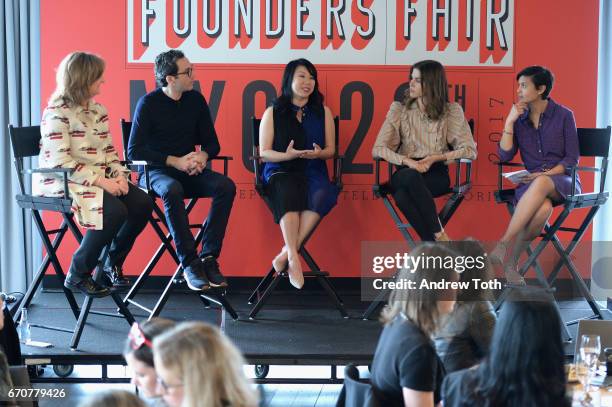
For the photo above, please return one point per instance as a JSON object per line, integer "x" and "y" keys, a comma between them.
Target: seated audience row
{"x": 188, "y": 364}
{"x": 521, "y": 366}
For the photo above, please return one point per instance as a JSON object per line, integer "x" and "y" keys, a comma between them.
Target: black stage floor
{"x": 293, "y": 328}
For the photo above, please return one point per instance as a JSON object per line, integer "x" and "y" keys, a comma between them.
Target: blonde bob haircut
{"x": 75, "y": 74}
{"x": 420, "y": 305}
{"x": 208, "y": 365}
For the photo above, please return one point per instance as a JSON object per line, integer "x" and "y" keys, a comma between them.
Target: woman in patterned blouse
{"x": 545, "y": 134}
{"x": 75, "y": 135}
{"x": 416, "y": 136}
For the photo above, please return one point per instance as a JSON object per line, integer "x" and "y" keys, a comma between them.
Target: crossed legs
{"x": 295, "y": 227}
{"x": 531, "y": 213}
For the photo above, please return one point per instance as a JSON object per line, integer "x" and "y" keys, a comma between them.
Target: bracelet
{"x": 508, "y": 132}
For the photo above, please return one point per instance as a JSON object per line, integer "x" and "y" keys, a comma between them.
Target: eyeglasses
{"x": 138, "y": 338}
{"x": 167, "y": 386}
{"x": 187, "y": 72}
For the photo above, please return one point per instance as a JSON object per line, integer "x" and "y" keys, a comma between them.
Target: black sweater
{"x": 163, "y": 126}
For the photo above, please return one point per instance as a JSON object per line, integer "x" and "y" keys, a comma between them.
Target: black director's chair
{"x": 456, "y": 195}
{"x": 26, "y": 144}
{"x": 214, "y": 294}
{"x": 595, "y": 143}
{"x": 265, "y": 287}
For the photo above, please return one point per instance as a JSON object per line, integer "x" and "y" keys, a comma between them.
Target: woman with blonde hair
{"x": 197, "y": 366}
{"x": 75, "y": 135}
{"x": 406, "y": 370}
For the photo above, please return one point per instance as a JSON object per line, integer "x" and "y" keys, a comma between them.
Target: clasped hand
{"x": 192, "y": 163}
{"x": 420, "y": 165}
{"x": 115, "y": 186}
{"x": 308, "y": 154}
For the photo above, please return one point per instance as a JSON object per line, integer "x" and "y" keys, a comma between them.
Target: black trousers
{"x": 414, "y": 195}
{"x": 123, "y": 219}
{"x": 174, "y": 186}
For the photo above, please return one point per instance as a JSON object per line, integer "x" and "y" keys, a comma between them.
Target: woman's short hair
{"x": 315, "y": 100}
{"x": 207, "y": 363}
{"x": 540, "y": 76}
{"x": 75, "y": 74}
{"x": 165, "y": 65}
{"x": 420, "y": 305}
{"x": 434, "y": 86}
{"x": 115, "y": 398}
{"x": 150, "y": 329}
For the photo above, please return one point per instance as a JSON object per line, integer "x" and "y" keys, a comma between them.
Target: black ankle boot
{"x": 115, "y": 276}
{"x": 86, "y": 285}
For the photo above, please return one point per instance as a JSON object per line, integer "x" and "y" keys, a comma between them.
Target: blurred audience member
{"x": 197, "y": 366}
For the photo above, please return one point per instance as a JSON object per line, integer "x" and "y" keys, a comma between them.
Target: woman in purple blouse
{"x": 545, "y": 134}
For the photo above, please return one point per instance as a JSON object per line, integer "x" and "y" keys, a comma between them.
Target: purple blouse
{"x": 554, "y": 142}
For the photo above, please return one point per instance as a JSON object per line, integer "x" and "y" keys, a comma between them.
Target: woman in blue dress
{"x": 544, "y": 132}
{"x": 296, "y": 136}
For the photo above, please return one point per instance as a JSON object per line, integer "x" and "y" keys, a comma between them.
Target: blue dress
{"x": 322, "y": 193}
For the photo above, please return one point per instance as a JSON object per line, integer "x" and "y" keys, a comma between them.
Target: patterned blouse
{"x": 77, "y": 138}
{"x": 407, "y": 132}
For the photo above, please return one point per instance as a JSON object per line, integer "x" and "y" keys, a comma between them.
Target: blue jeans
{"x": 173, "y": 186}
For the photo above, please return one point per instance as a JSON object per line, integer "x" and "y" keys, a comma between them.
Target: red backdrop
{"x": 561, "y": 34}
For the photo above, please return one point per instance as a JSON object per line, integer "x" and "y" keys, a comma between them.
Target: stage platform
{"x": 292, "y": 329}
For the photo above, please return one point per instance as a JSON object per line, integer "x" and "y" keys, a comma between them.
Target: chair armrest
{"x": 508, "y": 164}
{"x": 588, "y": 169}
{"x": 139, "y": 162}
{"x": 49, "y": 170}
{"x": 460, "y": 163}
{"x": 225, "y": 160}
{"x": 63, "y": 171}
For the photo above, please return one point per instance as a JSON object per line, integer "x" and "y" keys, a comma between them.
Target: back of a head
{"x": 525, "y": 364}
{"x": 207, "y": 363}
{"x": 115, "y": 398}
{"x": 420, "y": 304}
{"x": 472, "y": 263}
{"x": 138, "y": 343}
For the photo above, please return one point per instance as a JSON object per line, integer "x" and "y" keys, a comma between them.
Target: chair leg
{"x": 123, "y": 309}
{"x": 324, "y": 282}
{"x": 51, "y": 257}
{"x": 148, "y": 269}
{"x": 403, "y": 227}
{"x": 262, "y": 300}
{"x": 219, "y": 298}
{"x": 261, "y": 286}
{"x": 78, "y": 330}
{"x": 161, "y": 302}
{"x": 205, "y": 302}
{"x": 315, "y": 267}
{"x": 380, "y": 299}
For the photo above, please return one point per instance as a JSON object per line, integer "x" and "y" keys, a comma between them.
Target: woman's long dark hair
{"x": 525, "y": 364}
{"x": 435, "y": 88}
{"x": 315, "y": 100}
